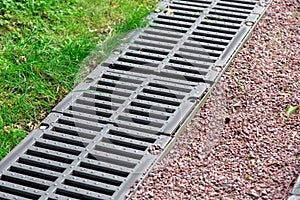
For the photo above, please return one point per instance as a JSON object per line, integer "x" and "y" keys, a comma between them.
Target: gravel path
{"x": 255, "y": 153}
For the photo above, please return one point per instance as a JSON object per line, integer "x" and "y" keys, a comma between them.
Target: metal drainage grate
{"x": 111, "y": 129}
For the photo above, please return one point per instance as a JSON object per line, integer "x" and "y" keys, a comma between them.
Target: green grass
{"x": 42, "y": 43}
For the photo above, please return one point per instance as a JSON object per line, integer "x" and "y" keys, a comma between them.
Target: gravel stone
{"x": 252, "y": 150}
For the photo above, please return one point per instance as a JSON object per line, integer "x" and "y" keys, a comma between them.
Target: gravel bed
{"x": 242, "y": 144}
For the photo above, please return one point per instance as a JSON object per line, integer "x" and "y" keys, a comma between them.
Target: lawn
{"x": 42, "y": 46}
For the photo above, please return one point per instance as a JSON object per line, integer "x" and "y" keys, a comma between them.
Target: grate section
{"x": 78, "y": 159}
{"x": 187, "y": 40}
{"x": 107, "y": 133}
{"x": 142, "y": 103}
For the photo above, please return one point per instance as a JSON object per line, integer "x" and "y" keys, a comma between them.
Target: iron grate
{"x": 110, "y": 130}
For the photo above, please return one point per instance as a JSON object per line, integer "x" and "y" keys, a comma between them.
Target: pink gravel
{"x": 255, "y": 154}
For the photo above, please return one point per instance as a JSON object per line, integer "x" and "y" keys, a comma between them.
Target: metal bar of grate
{"x": 106, "y": 135}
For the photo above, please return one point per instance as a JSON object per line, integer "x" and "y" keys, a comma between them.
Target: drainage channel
{"x": 105, "y": 136}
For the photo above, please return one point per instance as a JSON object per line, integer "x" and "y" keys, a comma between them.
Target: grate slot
{"x": 216, "y": 30}
{"x": 170, "y": 29}
{"x": 164, "y": 33}
{"x": 130, "y": 134}
{"x": 184, "y": 13}
{"x": 112, "y": 90}
{"x": 178, "y": 79}
{"x": 211, "y": 40}
{"x": 60, "y": 197}
{"x": 68, "y": 130}
{"x": 130, "y": 67}
{"x": 54, "y": 144}
{"x": 182, "y": 70}
{"x": 189, "y": 62}
{"x": 125, "y": 143}
{"x": 133, "y": 75}
{"x": 170, "y": 86}
{"x": 117, "y": 84}
{"x": 241, "y": 2}
{"x": 116, "y": 160}
{"x": 185, "y": 69}
{"x": 207, "y": 60}
{"x": 48, "y": 157}
{"x": 153, "y": 106}
{"x": 235, "y": 5}
{"x": 89, "y": 125}
{"x": 196, "y": 78}
{"x": 177, "y": 18}
{"x": 34, "y": 172}
{"x": 223, "y": 19}
{"x": 181, "y": 62}
{"x": 220, "y": 24}
{"x": 126, "y": 75}
{"x": 40, "y": 153}
{"x": 90, "y": 185}
{"x": 29, "y": 182}
{"x": 200, "y": 4}
{"x": 210, "y": 34}
{"x": 210, "y": 53}
{"x": 87, "y": 117}
{"x": 158, "y": 38}
{"x": 157, "y": 99}
{"x": 42, "y": 163}
{"x": 205, "y": 46}
{"x": 140, "y": 127}
{"x": 124, "y": 78}
{"x": 18, "y": 190}
{"x": 171, "y": 23}
{"x": 185, "y": 7}
{"x": 144, "y": 55}
{"x": 105, "y": 97}
{"x": 153, "y": 44}
{"x": 97, "y": 104}
{"x": 140, "y": 120}
{"x": 163, "y": 92}
{"x": 166, "y": 26}
{"x": 99, "y": 176}
{"x": 234, "y": 10}
{"x": 229, "y": 14}
{"x": 92, "y": 110}
{"x": 148, "y": 49}
{"x": 10, "y": 196}
{"x": 156, "y": 55}
{"x": 197, "y": 1}
{"x": 89, "y": 101}
{"x": 134, "y": 60}
{"x": 114, "y": 149}
{"x": 105, "y": 167}
{"x": 190, "y": 56}
{"x": 146, "y": 113}
{"x": 58, "y": 137}
{"x": 76, "y": 193}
